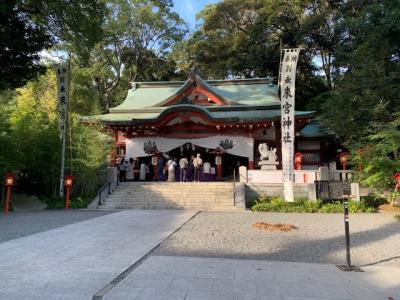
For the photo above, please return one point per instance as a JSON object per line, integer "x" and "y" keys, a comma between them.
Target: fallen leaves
{"x": 274, "y": 227}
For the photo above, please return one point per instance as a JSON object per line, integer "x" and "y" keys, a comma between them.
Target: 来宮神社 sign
{"x": 287, "y": 85}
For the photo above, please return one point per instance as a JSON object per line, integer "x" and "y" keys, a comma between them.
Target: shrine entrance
{"x": 229, "y": 163}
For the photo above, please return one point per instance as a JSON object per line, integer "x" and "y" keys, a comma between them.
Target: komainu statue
{"x": 267, "y": 157}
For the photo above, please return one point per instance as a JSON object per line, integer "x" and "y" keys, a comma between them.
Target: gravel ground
{"x": 319, "y": 238}
{"x": 19, "y": 224}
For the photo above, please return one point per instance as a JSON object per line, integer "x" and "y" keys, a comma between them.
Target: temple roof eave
{"x": 214, "y": 116}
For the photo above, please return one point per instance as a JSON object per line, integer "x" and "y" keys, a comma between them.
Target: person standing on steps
{"x": 129, "y": 171}
{"x": 183, "y": 165}
{"x": 123, "y": 166}
{"x": 171, "y": 164}
{"x": 197, "y": 164}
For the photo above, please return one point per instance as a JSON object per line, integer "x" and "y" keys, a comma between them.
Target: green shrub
{"x": 374, "y": 200}
{"x": 276, "y": 204}
{"x": 58, "y": 203}
{"x": 80, "y": 202}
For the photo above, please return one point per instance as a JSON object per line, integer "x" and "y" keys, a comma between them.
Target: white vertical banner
{"x": 287, "y": 80}
{"x": 62, "y": 74}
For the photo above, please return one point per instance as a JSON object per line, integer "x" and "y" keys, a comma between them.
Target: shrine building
{"x": 223, "y": 120}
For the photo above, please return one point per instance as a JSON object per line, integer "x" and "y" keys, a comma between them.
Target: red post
{"x": 67, "y": 199}
{"x": 154, "y": 163}
{"x": 218, "y": 162}
{"x": 8, "y": 198}
{"x": 68, "y": 181}
{"x": 8, "y": 182}
{"x": 298, "y": 160}
{"x": 251, "y": 165}
{"x": 397, "y": 178}
{"x": 343, "y": 159}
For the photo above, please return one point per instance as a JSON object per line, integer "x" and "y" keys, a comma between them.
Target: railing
{"x": 340, "y": 175}
{"x": 108, "y": 187}
{"x": 234, "y": 187}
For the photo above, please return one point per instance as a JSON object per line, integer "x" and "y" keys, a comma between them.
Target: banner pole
{"x": 62, "y": 72}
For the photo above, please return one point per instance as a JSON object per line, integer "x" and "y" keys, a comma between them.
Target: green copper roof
{"x": 142, "y": 97}
{"x": 250, "y": 94}
{"x": 237, "y": 92}
{"x": 243, "y": 100}
{"x": 313, "y": 129}
{"x": 234, "y": 114}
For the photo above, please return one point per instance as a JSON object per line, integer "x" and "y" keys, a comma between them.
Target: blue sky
{"x": 188, "y": 9}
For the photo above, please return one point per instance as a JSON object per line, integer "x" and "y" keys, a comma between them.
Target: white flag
{"x": 62, "y": 73}
{"x": 287, "y": 84}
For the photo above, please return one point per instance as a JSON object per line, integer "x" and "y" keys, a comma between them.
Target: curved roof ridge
{"x": 197, "y": 80}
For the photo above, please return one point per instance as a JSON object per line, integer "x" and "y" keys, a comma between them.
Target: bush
{"x": 276, "y": 204}
{"x": 58, "y": 203}
{"x": 374, "y": 200}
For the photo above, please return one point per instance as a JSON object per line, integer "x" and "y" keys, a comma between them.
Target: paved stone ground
{"x": 375, "y": 238}
{"x": 19, "y": 224}
{"x": 191, "y": 278}
{"x": 75, "y": 261}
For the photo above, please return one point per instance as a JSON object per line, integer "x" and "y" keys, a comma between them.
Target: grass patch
{"x": 276, "y": 204}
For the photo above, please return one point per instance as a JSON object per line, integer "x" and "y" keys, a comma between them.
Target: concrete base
{"x": 267, "y": 165}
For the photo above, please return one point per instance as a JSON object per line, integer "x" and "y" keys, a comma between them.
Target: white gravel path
{"x": 375, "y": 238}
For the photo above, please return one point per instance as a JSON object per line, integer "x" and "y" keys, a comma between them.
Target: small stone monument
{"x": 267, "y": 158}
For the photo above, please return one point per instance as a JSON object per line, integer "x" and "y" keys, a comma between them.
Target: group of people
{"x": 168, "y": 169}
{"x": 182, "y": 170}
{"x": 127, "y": 168}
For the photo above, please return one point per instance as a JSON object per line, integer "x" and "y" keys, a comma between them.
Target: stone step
{"x": 153, "y": 195}
{"x": 192, "y": 207}
{"x": 164, "y": 190}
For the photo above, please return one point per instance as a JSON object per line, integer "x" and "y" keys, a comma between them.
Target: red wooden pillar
{"x": 114, "y": 150}
{"x": 218, "y": 162}
{"x": 154, "y": 162}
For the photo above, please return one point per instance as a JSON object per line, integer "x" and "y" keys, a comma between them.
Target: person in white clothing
{"x": 143, "y": 169}
{"x": 207, "y": 168}
{"x": 171, "y": 170}
{"x": 183, "y": 166}
{"x": 129, "y": 171}
{"x": 197, "y": 163}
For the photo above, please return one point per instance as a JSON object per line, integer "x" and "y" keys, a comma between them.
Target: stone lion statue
{"x": 266, "y": 152}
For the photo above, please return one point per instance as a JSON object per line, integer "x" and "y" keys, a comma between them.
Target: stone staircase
{"x": 172, "y": 195}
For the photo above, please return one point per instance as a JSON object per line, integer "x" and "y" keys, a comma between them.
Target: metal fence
{"x": 328, "y": 189}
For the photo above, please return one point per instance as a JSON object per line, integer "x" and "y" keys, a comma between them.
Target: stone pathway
{"x": 75, "y": 261}
{"x": 193, "y": 278}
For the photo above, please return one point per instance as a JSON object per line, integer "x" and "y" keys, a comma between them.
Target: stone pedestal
{"x": 267, "y": 165}
{"x": 243, "y": 174}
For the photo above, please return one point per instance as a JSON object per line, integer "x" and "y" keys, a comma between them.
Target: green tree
{"x": 241, "y": 39}
{"x": 361, "y": 111}
{"x": 138, "y": 35}
{"x": 20, "y": 42}
{"x": 31, "y": 127}
{"x": 74, "y": 25}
